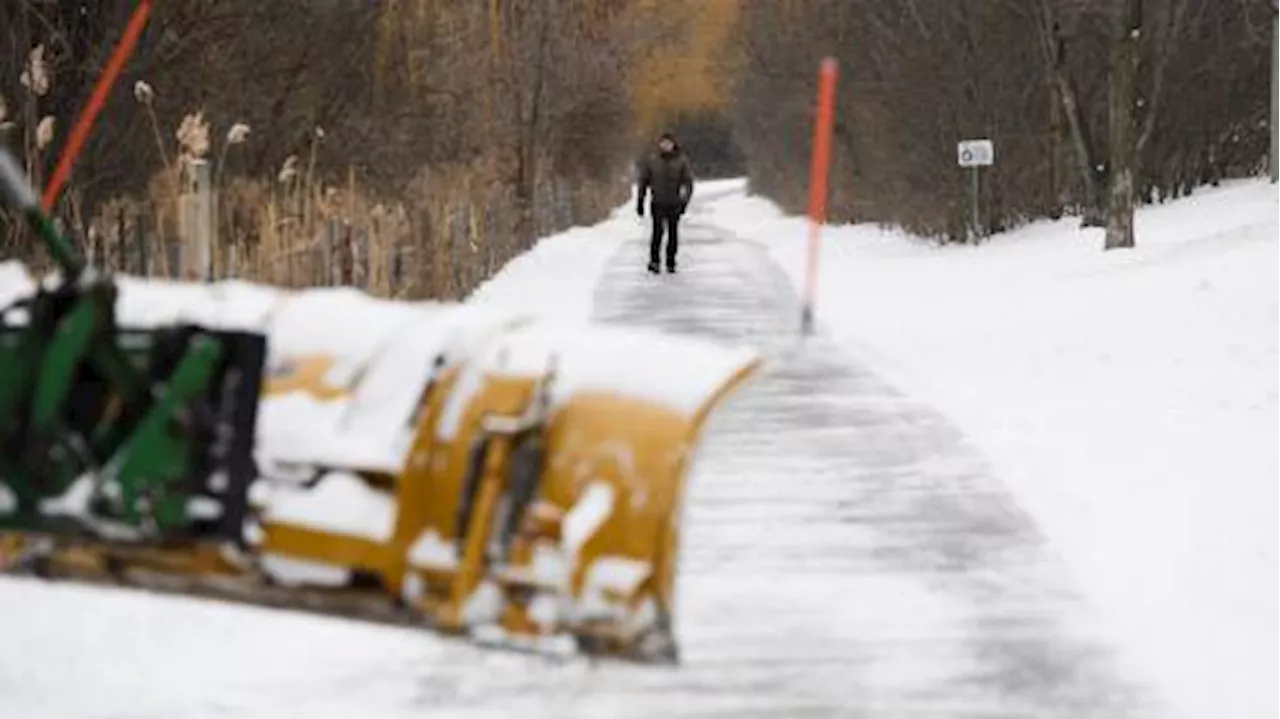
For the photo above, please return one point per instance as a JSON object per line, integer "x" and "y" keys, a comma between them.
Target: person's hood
{"x": 675, "y": 145}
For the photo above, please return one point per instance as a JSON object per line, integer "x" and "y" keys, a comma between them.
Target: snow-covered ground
{"x": 558, "y": 277}
{"x": 1127, "y": 398}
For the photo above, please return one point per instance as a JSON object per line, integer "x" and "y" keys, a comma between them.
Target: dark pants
{"x": 665, "y": 217}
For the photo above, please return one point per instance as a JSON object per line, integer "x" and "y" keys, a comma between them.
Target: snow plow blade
{"x": 540, "y": 498}
{"x": 511, "y": 481}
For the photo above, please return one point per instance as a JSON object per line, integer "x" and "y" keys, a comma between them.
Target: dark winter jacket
{"x": 668, "y": 176}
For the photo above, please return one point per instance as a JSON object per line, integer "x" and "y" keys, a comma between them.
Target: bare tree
{"x": 488, "y": 123}
{"x": 1126, "y": 31}
{"x": 1073, "y": 133}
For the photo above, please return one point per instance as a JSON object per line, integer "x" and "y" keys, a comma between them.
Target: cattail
{"x": 238, "y": 133}
{"x": 44, "y": 132}
{"x": 289, "y": 170}
{"x": 35, "y": 77}
{"x": 193, "y": 135}
{"x": 143, "y": 93}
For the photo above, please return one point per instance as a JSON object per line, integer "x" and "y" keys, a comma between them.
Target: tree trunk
{"x": 1092, "y": 176}
{"x": 1084, "y": 152}
{"x": 1055, "y": 154}
{"x": 1127, "y": 30}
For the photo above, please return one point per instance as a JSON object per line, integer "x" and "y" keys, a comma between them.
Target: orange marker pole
{"x": 80, "y": 133}
{"x": 819, "y": 170}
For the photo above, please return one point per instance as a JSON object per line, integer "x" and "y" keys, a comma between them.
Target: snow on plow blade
{"x": 486, "y": 474}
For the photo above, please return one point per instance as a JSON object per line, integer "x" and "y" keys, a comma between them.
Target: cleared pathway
{"x": 846, "y": 552}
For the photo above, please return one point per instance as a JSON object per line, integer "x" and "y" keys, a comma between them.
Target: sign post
{"x": 975, "y": 154}
{"x": 819, "y": 169}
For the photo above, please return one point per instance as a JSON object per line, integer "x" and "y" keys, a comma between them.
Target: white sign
{"x": 975, "y": 153}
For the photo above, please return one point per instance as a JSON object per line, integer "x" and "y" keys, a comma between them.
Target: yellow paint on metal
{"x": 358, "y": 553}
{"x": 11, "y": 546}
{"x": 304, "y": 374}
{"x": 642, "y": 450}
{"x": 637, "y": 449}
{"x": 417, "y": 495}
{"x": 501, "y": 397}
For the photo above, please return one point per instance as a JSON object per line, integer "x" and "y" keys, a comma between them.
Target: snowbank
{"x": 558, "y": 277}
{"x": 1128, "y": 398}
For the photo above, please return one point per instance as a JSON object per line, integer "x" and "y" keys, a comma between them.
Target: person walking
{"x": 666, "y": 175}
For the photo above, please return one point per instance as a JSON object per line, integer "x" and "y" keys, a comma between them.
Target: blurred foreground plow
{"x": 485, "y": 474}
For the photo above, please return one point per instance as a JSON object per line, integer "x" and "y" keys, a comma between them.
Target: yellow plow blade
{"x": 541, "y": 493}
{"x": 486, "y": 474}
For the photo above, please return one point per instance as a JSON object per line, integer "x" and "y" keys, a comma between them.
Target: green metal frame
{"x": 148, "y": 419}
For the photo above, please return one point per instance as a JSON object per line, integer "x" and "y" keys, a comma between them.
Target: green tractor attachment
{"x": 126, "y": 435}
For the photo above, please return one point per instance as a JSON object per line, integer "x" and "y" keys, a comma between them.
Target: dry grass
{"x": 454, "y": 227}
{"x": 484, "y": 96}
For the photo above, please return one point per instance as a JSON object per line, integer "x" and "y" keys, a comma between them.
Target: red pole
{"x": 819, "y": 170}
{"x": 80, "y": 133}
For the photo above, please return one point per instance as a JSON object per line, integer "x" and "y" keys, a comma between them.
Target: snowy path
{"x": 845, "y": 554}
